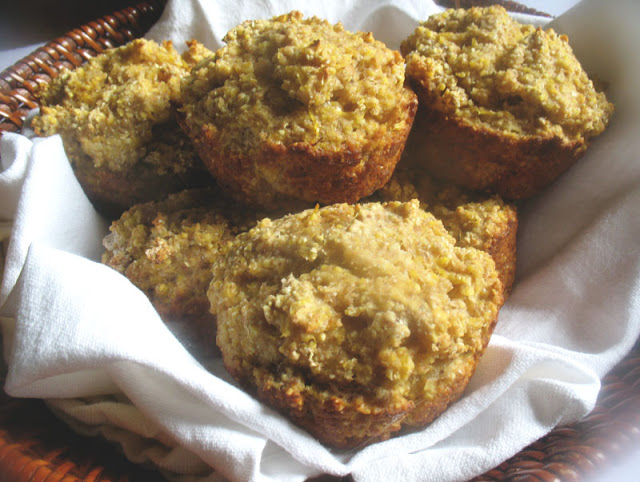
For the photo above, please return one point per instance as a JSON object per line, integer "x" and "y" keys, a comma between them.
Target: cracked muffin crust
{"x": 474, "y": 219}
{"x": 504, "y": 107}
{"x": 118, "y": 127}
{"x": 298, "y": 111}
{"x": 354, "y": 319}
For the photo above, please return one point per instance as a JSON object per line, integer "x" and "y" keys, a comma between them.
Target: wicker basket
{"x": 36, "y": 446}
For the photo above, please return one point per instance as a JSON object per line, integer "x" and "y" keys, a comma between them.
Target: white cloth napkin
{"x": 81, "y": 336}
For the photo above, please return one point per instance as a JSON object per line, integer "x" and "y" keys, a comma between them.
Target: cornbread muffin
{"x": 474, "y": 219}
{"x": 166, "y": 248}
{"x": 504, "y": 107}
{"x": 354, "y": 319}
{"x": 116, "y": 121}
{"x": 294, "y": 111}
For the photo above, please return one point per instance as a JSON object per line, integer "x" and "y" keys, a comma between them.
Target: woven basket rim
{"x": 34, "y": 445}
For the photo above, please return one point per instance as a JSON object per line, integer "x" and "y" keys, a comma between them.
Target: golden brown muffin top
{"x": 115, "y": 110}
{"x": 485, "y": 67}
{"x": 372, "y": 301}
{"x": 473, "y": 219}
{"x": 292, "y": 80}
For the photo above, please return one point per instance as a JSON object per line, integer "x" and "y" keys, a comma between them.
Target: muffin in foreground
{"x": 116, "y": 121}
{"x": 354, "y": 320}
{"x": 504, "y": 107}
{"x": 474, "y": 219}
{"x": 294, "y": 111}
{"x": 166, "y": 248}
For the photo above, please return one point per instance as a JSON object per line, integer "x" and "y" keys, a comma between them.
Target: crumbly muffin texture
{"x": 296, "y": 80}
{"x": 497, "y": 74}
{"x": 166, "y": 248}
{"x": 294, "y": 111}
{"x": 475, "y": 220}
{"x": 115, "y": 111}
{"x": 349, "y": 317}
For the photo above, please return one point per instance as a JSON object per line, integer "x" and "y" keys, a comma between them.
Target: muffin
{"x": 354, "y": 319}
{"x": 166, "y": 248}
{"x": 118, "y": 127}
{"x": 294, "y": 111}
{"x": 475, "y": 220}
{"x": 504, "y": 107}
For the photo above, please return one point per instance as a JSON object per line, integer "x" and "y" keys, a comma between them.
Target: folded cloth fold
{"x": 89, "y": 342}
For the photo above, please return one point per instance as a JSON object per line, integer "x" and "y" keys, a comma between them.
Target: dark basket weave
{"x": 17, "y": 83}
{"x": 36, "y": 446}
